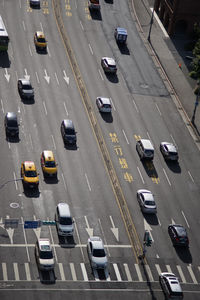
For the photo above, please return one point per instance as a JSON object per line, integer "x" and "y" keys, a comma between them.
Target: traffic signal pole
{"x": 147, "y": 241}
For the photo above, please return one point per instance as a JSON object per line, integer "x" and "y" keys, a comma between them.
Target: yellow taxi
{"x": 29, "y": 174}
{"x": 48, "y": 164}
{"x": 40, "y": 41}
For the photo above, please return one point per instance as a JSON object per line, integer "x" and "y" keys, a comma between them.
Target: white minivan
{"x": 64, "y": 221}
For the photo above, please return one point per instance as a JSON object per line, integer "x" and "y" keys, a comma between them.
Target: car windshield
{"x": 65, "y": 221}
{"x": 148, "y": 152}
{"x": 69, "y": 131}
{"x": 99, "y": 253}
{"x": 50, "y": 164}
{"x": 46, "y": 254}
{"x": 12, "y": 123}
{"x": 106, "y": 105}
{"x": 27, "y": 87}
{"x": 41, "y": 40}
{"x": 181, "y": 231}
{"x": 30, "y": 173}
{"x": 172, "y": 153}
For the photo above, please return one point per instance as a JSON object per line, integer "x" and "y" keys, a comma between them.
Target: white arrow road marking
{"x": 10, "y": 232}
{"x": 88, "y": 228}
{"x": 7, "y": 75}
{"x": 148, "y": 227}
{"x": 114, "y": 230}
{"x": 37, "y": 230}
{"x": 66, "y": 78}
{"x": 27, "y": 77}
{"x": 46, "y": 76}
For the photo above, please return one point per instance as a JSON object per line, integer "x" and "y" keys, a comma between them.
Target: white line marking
{"x": 41, "y": 27}
{"x": 45, "y": 109}
{"x": 30, "y": 49}
{"x": 27, "y": 270}
{"x": 159, "y": 22}
{"x": 85, "y": 277}
{"x": 101, "y": 74}
{"x": 158, "y": 269}
{"x": 148, "y": 271}
{"x": 65, "y": 108}
{"x": 135, "y": 106}
{"x": 117, "y": 272}
{"x": 104, "y": 237}
{"x": 185, "y": 219}
{"x": 158, "y": 109}
{"x": 192, "y": 274}
{"x": 16, "y": 271}
{"x": 181, "y": 274}
{"x": 24, "y": 25}
{"x": 36, "y": 74}
{"x": 79, "y": 240}
{"x": 166, "y": 176}
{"x": 148, "y": 135}
{"x": 125, "y": 136}
{"x": 73, "y": 272}
{"x": 140, "y": 174}
{"x": 24, "y": 232}
{"x": 57, "y": 78}
{"x": 64, "y": 181}
{"x": 53, "y": 141}
{"x": 62, "y": 274}
{"x": 127, "y": 271}
{"x": 81, "y": 25}
{"x": 96, "y": 275}
{"x": 173, "y": 139}
{"x": 5, "y": 273}
{"x": 139, "y": 274}
{"x": 191, "y": 176}
{"x": 16, "y": 185}
{"x": 88, "y": 182}
{"x": 90, "y": 47}
{"x": 50, "y": 231}
{"x": 112, "y": 104}
{"x": 2, "y": 106}
{"x": 48, "y": 51}
{"x": 107, "y": 275}
{"x": 31, "y": 140}
{"x": 169, "y": 269}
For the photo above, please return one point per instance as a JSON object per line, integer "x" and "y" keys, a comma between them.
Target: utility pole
{"x": 151, "y": 23}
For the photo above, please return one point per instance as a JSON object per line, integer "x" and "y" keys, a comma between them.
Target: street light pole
{"x": 196, "y": 103}
{"x": 151, "y": 23}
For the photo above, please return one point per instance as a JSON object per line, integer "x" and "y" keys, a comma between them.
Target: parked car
{"x": 178, "y": 235}
{"x": 11, "y": 125}
{"x": 68, "y": 132}
{"x": 104, "y": 104}
{"x": 44, "y": 255}
{"x": 96, "y": 253}
{"x": 169, "y": 151}
{"x": 145, "y": 149}
{"x": 146, "y": 201}
{"x": 109, "y": 65}
{"x": 25, "y": 88}
{"x": 170, "y": 286}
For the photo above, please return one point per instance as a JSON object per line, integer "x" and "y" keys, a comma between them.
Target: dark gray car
{"x": 11, "y": 124}
{"x": 25, "y": 88}
{"x": 68, "y": 132}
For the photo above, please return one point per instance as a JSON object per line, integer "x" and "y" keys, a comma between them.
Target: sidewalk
{"x": 169, "y": 59}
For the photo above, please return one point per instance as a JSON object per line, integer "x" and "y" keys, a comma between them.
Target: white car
{"x": 169, "y": 151}
{"x": 170, "y": 286}
{"x": 104, "y": 104}
{"x": 109, "y": 65}
{"x": 146, "y": 202}
{"x": 96, "y": 253}
{"x": 44, "y": 255}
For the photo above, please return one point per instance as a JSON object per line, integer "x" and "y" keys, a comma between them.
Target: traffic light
{"x": 147, "y": 238}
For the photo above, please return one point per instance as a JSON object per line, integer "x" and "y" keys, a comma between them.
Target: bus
{"x": 4, "y": 38}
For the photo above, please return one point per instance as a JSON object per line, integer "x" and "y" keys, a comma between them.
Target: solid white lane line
{"x": 81, "y": 25}
{"x": 16, "y": 271}
{"x": 148, "y": 136}
{"x": 5, "y": 273}
{"x": 185, "y": 219}
{"x": 139, "y": 274}
{"x": 173, "y": 139}
{"x": 169, "y": 269}
{"x": 166, "y": 176}
{"x": 57, "y": 78}
{"x": 16, "y": 185}
{"x": 2, "y": 106}
{"x": 41, "y": 27}
{"x": 148, "y": 271}
{"x": 191, "y": 176}
{"x": 192, "y": 274}
{"x": 158, "y": 269}
{"x": 125, "y": 136}
{"x": 140, "y": 174}
{"x": 24, "y": 232}
{"x": 24, "y": 25}
{"x": 135, "y": 106}
{"x": 31, "y": 140}
{"x": 30, "y": 49}
{"x": 88, "y": 182}
{"x": 53, "y": 141}
{"x": 117, "y": 272}
{"x": 181, "y": 274}
{"x": 101, "y": 74}
{"x": 64, "y": 181}
{"x": 84, "y": 272}
{"x": 127, "y": 271}
{"x": 36, "y": 74}
{"x": 62, "y": 274}
{"x": 27, "y": 270}
{"x": 112, "y": 104}
{"x": 158, "y": 109}
{"x": 65, "y": 108}
{"x": 79, "y": 240}
{"x": 73, "y": 272}
{"x": 45, "y": 109}
{"x": 90, "y": 47}
{"x": 48, "y": 51}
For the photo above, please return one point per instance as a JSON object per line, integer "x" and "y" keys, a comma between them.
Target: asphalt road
{"x": 141, "y": 107}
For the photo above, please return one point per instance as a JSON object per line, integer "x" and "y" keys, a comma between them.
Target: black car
{"x": 68, "y": 132}
{"x": 11, "y": 124}
{"x": 178, "y": 235}
{"x": 25, "y": 88}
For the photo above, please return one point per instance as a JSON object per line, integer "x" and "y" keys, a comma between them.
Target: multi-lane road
{"x": 100, "y": 178}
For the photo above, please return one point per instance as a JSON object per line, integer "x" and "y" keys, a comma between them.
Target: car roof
{"x": 48, "y": 154}
{"x": 170, "y": 147}
{"x": 25, "y": 81}
{"x": 96, "y": 242}
{"x": 64, "y": 210}
{"x": 180, "y": 229}
{"x": 29, "y": 165}
{"x": 11, "y": 116}
{"x": 109, "y": 60}
{"x": 44, "y": 245}
{"x": 40, "y": 34}
{"x": 105, "y": 100}
{"x": 121, "y": 30}
{"x": 68, "y": 123}
{"x": 147, "y": 144}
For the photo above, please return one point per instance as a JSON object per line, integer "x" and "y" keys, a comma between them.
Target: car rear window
{"x": 99, "y": 253}
{"x": 46, "y": 254}
{"x": 65, "y": 221}
{"x": 12, "y": 123}
{"x": 69, "y": 131}
{"x": 107, "y": 105}
{"x": 50, "y": 164}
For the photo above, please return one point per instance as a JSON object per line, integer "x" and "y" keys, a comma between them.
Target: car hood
{"x": 46, "y": 262}
{"x": 100, "y": 261}
{"x": 31, "y": 179}
{"x": 50, "y": 170}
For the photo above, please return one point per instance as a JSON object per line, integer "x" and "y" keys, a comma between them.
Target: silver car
{"x": 146, "y": 202}
{"x": 170, "y": 286}
{"x": 96, "y": 253}
{"x": 104, "y": 104}
{"x": 109, "y": 65}
{"x": 169, "y": 151}
{"x": 44, "y": 255}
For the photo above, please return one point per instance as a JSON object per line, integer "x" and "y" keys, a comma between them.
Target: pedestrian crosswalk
{"x": 116, "y": 272}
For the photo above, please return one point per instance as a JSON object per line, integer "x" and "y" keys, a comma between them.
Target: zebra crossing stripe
{"x": 62, "y": 274}
{"x": 148, "y": 271}
{"x": 169, "y": 268}
{"x": 73, "y": 272}
{"x": 117, "y": 272}
{"x": 5, "y": 274}
{"x": 181, "y": 274}
{"x": 158, "y": 269}
{"x": 128, "y": 274}
{"x": 27, "y": 269}
{"x": 107, "y": 275}
{"x": 16, "y": 271}
{"x": 85, "y": 277}
{"x": 96, "y": 275}
{"x": 192, "y": 275}
{"x": 139, "y": 274}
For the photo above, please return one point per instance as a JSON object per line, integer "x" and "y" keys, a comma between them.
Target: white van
{"x": 64, "y": 221}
